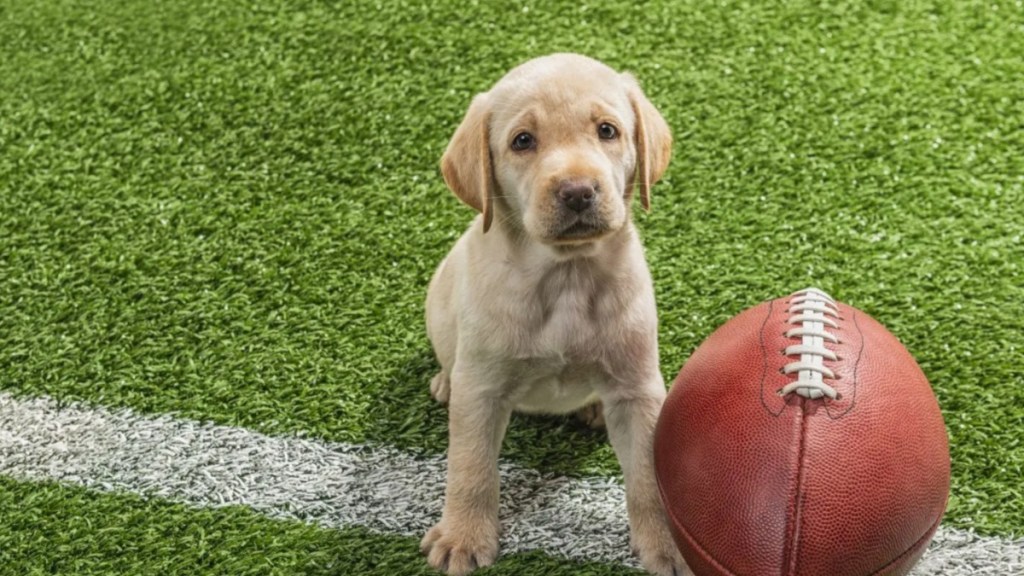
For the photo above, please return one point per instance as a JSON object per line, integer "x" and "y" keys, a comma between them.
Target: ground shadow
{"x": 405, "y": 415}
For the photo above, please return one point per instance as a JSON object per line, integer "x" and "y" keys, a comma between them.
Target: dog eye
{"x": 523, "y": 141}
{"x": 607, "y": 132}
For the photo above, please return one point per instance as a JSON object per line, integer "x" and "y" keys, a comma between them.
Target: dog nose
{"x": 577, "y": 196}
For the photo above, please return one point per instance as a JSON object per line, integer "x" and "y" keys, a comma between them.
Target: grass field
{"x": 229, "y": 211}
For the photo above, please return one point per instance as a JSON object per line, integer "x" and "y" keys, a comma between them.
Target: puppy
{"x": 545, "y": 303}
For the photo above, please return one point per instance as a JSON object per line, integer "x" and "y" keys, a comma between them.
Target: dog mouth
{"x": 580, "y": 230}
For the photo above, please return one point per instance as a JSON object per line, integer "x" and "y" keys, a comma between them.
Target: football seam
{"x": 928, "y": 534}
{"x": 696, "y": 546}
{"x": 790, "y": 547}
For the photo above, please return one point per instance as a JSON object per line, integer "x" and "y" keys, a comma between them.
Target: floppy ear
{"x": 653, "y": 142}
{"x": 466, "y": 164}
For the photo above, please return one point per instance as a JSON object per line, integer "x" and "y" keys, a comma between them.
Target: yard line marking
{"x": 338, "y": 485}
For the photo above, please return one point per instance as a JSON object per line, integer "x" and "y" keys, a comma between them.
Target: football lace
{"x": 812, "y": 312}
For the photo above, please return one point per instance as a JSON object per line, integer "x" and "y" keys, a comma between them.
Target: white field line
{"x": 338, "y": 485}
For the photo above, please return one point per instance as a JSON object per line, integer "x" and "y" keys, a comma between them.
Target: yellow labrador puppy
{"x": 545, "y": 304}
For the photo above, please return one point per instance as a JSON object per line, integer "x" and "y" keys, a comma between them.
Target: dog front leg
{"x": 466, "y": 538}
{"x": 631, "y": 421}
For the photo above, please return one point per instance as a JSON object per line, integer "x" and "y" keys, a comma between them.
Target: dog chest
{"x": 553, "y": 385}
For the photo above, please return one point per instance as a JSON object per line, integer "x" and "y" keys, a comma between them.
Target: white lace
{"x": 813, "y": 312}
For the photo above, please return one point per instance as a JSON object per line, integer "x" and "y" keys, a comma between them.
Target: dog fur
{"x": 545, "y": 304}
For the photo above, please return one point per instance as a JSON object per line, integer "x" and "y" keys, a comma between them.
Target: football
{"x": 802, "y": 439}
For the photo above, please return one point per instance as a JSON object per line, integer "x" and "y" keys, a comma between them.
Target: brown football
{"x": 802, "y": 439}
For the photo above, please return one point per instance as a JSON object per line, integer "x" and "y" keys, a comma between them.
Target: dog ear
{"x": 653, "y": 142}
{"x": 466, "y": 164}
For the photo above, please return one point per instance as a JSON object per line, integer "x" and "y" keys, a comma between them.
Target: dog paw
{"x": 659, "y": 555}
{"x": 459, "y": 548}
{"x": 440, "y": 387}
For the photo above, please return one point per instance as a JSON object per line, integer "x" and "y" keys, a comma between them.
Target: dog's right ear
{"x": 466, "y": 164}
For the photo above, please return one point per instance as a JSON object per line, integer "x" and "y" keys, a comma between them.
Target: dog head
{"x": 557, "y": 148}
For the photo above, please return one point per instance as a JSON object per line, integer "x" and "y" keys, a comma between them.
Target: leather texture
{"x": 756, "y": 484}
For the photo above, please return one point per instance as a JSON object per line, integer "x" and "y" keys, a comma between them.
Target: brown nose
{"x": 577, "y": 196}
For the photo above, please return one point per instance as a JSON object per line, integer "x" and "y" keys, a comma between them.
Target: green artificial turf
{"x": 230, "y": 210}
{"x": 52, "y": 530}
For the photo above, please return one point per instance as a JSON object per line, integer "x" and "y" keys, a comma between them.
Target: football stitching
{"x": 856, "y": 369}
{"x": 764, "y": 360}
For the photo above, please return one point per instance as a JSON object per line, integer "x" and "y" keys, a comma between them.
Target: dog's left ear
{"x": 653, "y": 141}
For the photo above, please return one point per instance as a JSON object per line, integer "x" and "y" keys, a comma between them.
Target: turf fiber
{"x": 230, "y": 210}
{"x": 59, "y": 530}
